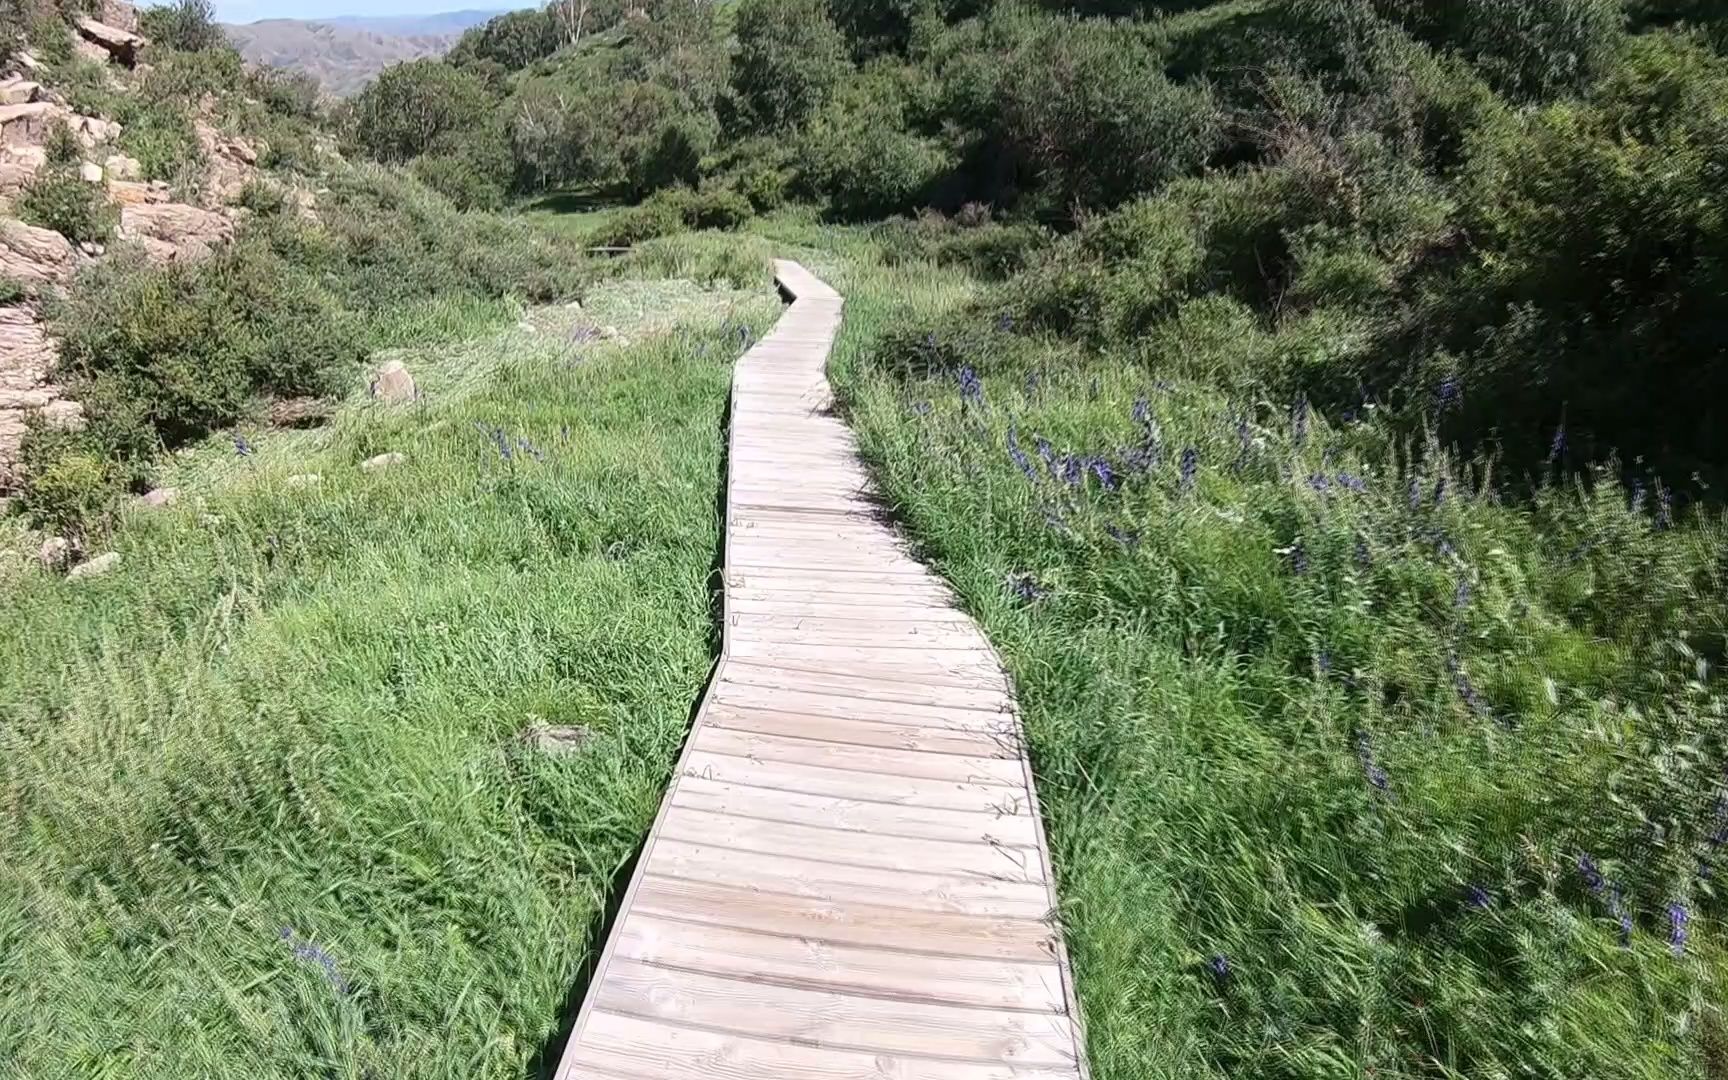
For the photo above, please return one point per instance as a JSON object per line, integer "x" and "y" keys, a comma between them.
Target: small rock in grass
{"x": 392, "y": 384}
{"x": 574, "y": 305}
{"x": 159, "y": 498}
{"x": 607, "y": 333}
{"x": 96, "y": 567}
{"x": 527, "y": 327}
{"x": 557, "y": 738}
{"x": 90, "y": 172}
{"x": 55, "y": 553}
{"x": 304, "y": 480}
{"x": 382, "y": 461}
{"x": 91, "y": 248}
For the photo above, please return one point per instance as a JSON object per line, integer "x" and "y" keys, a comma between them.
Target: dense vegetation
{"x": 1514, "y": 206}
{"x": 1318, "y": 401}
{"x": 274, "y": 805}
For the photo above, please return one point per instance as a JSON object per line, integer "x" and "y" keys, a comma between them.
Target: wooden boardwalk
{"x": 848, "y": 877}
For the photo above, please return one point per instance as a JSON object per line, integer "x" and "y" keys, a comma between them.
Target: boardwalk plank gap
{"x": 848, "y": 877}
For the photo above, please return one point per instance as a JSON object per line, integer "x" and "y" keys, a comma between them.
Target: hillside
{"x": 343, "y": 56}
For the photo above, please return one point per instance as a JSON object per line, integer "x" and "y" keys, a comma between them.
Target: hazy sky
{"x": 243, "y": 11}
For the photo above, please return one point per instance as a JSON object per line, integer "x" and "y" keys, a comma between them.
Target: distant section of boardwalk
{"x": 848, "y": 878}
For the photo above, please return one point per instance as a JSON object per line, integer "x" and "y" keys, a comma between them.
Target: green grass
{"x": 288, "y": 727}
{"x": 1217, "y": 677}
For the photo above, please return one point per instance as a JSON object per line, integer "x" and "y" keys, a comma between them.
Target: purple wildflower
{"x": 1298, "y": 558}
{"x": 1351, "y": 482}
{"x": 503, "y": 443}
{"x": 1375, "y": 775}
{"x": 1623, "y": 916}
{"x": 1299, "y": 422}
{"x": 1323, "y": 661}
{"x": 1364, "y": 558}
{"x": 309, "y": 951}
{"x": 1142, "y": 410}
{"x": 1106, "y": 475}
{"x": 1046, "y": 453}
{"x": 1005, "y": 322}
{"x": 1320, "y": 482}
{"x": 1415, "y": 492}
{"x": 1557, "y": 445}
{"x": 1019, "y": 455}
{"x": 1461, "y": 595}
{"x": 1591, "y": 873}
{"x": 1026, "y": 587}
{"x": 1073, "y": 470}
{"x": 1449, "y": 393}
{"x": 1189, "y": 468}
{"x": 242, "y": 448}
{"x": 1477, "y": 897}
{"x": 1122, "y": 536}
{"x": 971, "y": 387}
{"x": 1677, "y": 920}
{"x": 1219, "y": 966}
{"x": 1440, "y": 492}
{"x": 1032, "y": 384}
{"x": 1466, "y": 689}
{"x": 1638, "y": 496}
{"x": 1139, "y": 458}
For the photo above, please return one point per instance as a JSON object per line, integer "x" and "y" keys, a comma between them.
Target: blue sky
{"x": 243, "y": 11}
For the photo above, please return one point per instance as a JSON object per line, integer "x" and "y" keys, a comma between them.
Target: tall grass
{"x": 268, "y": 809}
{"x": 1352, "y": 766}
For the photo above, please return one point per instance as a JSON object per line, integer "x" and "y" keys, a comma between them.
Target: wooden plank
{"x": 832, "y": 1019}
{"x": 848, "y": 877}
{"x": 628, "y": 1047}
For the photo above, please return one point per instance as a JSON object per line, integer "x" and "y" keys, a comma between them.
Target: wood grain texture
{"x": 848, "y": 877}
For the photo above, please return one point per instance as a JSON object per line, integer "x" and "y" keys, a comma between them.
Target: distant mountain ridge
{"x": 345, "y": 52}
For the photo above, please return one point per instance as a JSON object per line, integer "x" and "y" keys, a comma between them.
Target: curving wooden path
{"x": 848, "y": 877}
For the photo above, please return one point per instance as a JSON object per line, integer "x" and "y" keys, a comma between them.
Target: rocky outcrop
{"x": 18, "y": 167}
{"x": 35, "y": 256}
{"x": 28, "y": 124}
{"x": 392, "y": 384}
{"x": 174, "y": 232}
{"x": 120, "y": 45}
{"x": 232, "y": 163}
{"x": 18, "y": 90}
{"x": 137, "y": 193}
{"x": 27, "y": 357}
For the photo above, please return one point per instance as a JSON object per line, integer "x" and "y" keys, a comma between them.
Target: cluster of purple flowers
{"x": 508, "y": 449}
{"x": 1299, "y": 422}
{"x": 1026, "y": 587}
{"x": 242, "y": 448}
{"x": 1449, "y": 393}
{"x": 1477, "y": 897}
{"x": 1601, "y": 887}
{"x": 971, "y": 387}
{"x": 1371, "y": 769}
{"x": 1466, "y": 689}
{"x": 1190, "y": 467}
{"x": 310, "y": 952}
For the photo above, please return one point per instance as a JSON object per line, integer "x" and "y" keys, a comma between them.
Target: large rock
{"x": 55, "y": 553}
{"x": 18, "y": 168}
{"x": 159, "y": 498}
{"x": 121, "y": 45}
{"x": 28, "y": 124}
{"x": 34, "y": 255}
{"x": 120, "y": 14}
{"x": 174, "y": 232}
{"x": 121, "y": 167}
{"x": 27, "y": 357}
{"x": 382, "y": 461}
{"x": 231, "y": 163}
{"x": 138, "y": 193}
{"x": 19, "y": 91}
{"x": 392, "y": 384}
{"x": 90, "y": 172}
{"x": 96, "y": 567}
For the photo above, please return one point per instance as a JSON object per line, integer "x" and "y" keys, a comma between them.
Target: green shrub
{"x": 69, "y": 205}
{"x": 717, "y": 209}
{"x": 859, "y": 155}
{"x": 186, "y": 77}
{"x": 263, "y": 197}
{"x": 70, "y": 487}
{"x": 159, "y": 134}
{"x": 188, "y": 25}
{"x": 286, "y": 93}
{"x": 671, "y": 212}
{"x": 404, "y": 110}
{"x": 13, "y": 291}
{"x": 60, "y": 147}
{"x": 1090, "y": 112}
{"x": 789, "y": 61}
{"x": 764, "y": 185}
{"x": 1529, "y": 49}
{"x": 513, "y": 40}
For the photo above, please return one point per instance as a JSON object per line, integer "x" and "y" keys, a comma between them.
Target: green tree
{"x": 514, "y": 39}
{"x": 188, "y": 25}
{"x": 399, "y": 115}
{"x": 790, "y": 58}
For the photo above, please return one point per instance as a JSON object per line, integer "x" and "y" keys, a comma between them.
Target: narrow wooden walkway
{"x": 848, "y": 877}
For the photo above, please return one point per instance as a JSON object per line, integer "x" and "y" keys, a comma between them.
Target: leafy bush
{"x": 1529, "y": 49}
{"x": 514, "y": 39}
{"x": 72, "y": 486}
{"x": 859, "y": 155}
{"x": 402, "y": 112}
{"x": 671, "y": 212}
{"x": 62, "y": 201}
{"x": 188, "y": 25}
{"x": 286, "y": 93}
{"x": 1090, "y": 111}
{"x": 789, "y": 61}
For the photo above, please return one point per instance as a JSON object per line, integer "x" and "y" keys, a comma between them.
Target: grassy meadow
{"x": 1358, "y": 759}
{"x": 268, "y": 805}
